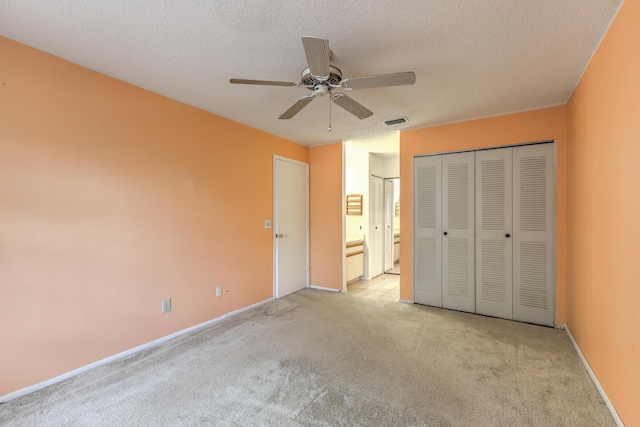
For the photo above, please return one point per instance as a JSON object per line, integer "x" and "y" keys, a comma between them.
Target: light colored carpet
{"x": 325, "y": 359}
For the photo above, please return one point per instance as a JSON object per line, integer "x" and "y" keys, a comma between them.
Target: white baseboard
{"x": 320, "y": 288}
{"x": 35, "y": 387}
{"x": 406, "y": 301}
{"x": 592, "y": 374}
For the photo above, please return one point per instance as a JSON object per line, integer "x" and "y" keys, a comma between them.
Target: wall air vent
{"x": 396, "y": 121}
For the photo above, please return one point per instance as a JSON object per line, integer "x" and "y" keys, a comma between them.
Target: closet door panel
{"x": 427, "y": 249}
{"x": 458, "y": 245}
{"x": 533, "y": 245}
{"x": 493, "y": 233}
{"x": 388, "y": 225}
{"x": 374, "y": 251}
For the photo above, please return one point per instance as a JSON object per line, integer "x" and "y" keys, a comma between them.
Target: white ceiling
{"x": 472, "y": 58}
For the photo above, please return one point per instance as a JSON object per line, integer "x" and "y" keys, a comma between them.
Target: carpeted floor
{"x": 328, "y": 359}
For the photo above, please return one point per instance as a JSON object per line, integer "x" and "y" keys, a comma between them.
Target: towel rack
{"x": 354, "y": 204}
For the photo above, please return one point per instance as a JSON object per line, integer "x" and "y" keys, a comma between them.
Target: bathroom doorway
{"x": 371, "y": 234}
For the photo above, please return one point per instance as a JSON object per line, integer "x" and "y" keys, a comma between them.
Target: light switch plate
{"x": 267, "y": 223}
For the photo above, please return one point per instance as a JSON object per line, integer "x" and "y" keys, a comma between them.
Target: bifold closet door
{"x": 427, "y": 244}
{"x": 533, "y": 245}
{"x": 458, "y": 245}
{"x": 494, "y": 289}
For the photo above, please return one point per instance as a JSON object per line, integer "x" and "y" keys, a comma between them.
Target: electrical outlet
{"x": 166, "y": 305}
{"x": 218, "y": 291}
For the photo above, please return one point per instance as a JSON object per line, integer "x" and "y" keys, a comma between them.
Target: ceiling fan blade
{"x": 317, "y": 52}
{"x": 351, "y": 106}
{"x": 262, "y": 82}
{"x": 295, "y": 108}
{"x": 395, "y": 79}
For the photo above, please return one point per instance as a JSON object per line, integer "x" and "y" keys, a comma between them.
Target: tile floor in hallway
{"x": 385, "y": 287}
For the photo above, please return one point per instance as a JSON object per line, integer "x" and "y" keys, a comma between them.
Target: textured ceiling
{"x": 472, "y": 58}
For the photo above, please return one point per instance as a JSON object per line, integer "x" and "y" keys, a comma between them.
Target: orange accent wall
{"x": 531, "y": 126}
{"x": 603, "y": 134}
{"x": 325, "y": 216}
{"x": 111, "y": 199}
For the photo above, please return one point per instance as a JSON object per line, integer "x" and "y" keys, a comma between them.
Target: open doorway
{"x": 372, "y": 179}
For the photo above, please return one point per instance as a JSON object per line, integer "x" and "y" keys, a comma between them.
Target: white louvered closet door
{"x": 533, "y": 245}
{"x": 458, "y": 244}
{"x": 493, "y": 233}
{"x": 427, "y": 258}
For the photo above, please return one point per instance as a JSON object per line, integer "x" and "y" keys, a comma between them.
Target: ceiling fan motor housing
{"x": 310, "y": 81}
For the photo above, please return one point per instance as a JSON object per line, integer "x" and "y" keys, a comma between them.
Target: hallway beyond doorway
{"x": 385, "y": 287}
{"x": 395, "y": 270}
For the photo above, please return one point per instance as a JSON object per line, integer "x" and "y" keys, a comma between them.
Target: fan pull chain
{"x": 330, "y": 96}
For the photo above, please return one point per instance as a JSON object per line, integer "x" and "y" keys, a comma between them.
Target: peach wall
{"x": 603, "y": 134}
{"x": 325, "y": 216}
{"x": 537, "y": 125}
{"x": 113, "y": 198}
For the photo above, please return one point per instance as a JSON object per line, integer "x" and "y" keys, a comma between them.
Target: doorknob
{"x": 507, "y": 235}
{"x": 280, "y": 235}
{"x": 445, "y": 233}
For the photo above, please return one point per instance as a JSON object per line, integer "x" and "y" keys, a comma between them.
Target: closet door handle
{"x": 445, "y": 233}
{"x": 507, "y": 235}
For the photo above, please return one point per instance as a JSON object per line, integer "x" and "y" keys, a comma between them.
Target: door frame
{"x": 275, "y": 219}
{"x": 392, "y": 224}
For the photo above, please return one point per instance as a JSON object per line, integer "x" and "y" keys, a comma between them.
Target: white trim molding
{"x": 35, "y": 387}
{"x": 320, "y": 288}
{"x": 592, "y": 374}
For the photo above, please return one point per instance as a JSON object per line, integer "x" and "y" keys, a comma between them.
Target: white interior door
{"x": 291, "y": 225}
{"x": 533, "y": 243}
{"x": 376, "y": 229}
{"x": 388, "y": 224}
{"x": 458, "y": 241}
{"x": 494, "y": 266}
{"x": 427, "y": 241}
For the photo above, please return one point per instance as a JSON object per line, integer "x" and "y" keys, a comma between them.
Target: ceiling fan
{"x": 323, "y": 78}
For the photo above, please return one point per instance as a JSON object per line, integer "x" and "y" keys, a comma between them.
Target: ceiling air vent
{"x": 396, "y": 121}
